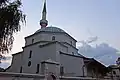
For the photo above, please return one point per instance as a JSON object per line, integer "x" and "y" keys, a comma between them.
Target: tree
{"x": 11, "y": 18}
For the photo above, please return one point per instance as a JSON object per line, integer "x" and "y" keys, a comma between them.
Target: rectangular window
{"x": 20, "y": 69}
{"x": 71, "y": 42}
{"x": 32, "y": 40}
{"x": 73, "y": 53}
{"x": 61, "y": 70}
{"x": 38, "y": 65}
{"x": 30, "y": 54}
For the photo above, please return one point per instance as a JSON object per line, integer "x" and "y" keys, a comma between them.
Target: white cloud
{"x": 102, "y": 52}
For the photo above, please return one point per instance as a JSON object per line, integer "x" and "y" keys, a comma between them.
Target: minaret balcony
{"x": 43, "y": 21}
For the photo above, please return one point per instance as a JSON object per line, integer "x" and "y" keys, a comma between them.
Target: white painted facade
{"x": 46, "y": 47}
{"x": 41, "y": 46}
{"x": 45, "y": 53}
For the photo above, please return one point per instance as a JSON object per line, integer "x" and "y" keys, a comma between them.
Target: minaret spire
{"x": 43, "y": 21}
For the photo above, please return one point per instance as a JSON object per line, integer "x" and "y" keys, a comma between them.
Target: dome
{"x": 50, "y": 29}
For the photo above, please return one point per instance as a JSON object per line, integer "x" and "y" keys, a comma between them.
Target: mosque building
{"x": 51, "y": 50}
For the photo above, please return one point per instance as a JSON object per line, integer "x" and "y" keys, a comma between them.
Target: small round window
{"x": 53, "y": 37}
{"x": 29, "y": 63}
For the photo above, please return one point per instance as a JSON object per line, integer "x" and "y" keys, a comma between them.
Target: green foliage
{"x": 10, "y": 18}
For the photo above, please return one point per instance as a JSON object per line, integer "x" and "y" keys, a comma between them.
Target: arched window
{"x": 30, "y": 55}
{"x": 29, "y": 63}
{"x": 53, "y": 38}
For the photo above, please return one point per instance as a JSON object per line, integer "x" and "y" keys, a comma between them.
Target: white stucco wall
{"x": 51, "y": 51}
{"x": 16, "y": 63}
{"x": 71, "y": 49}
{"x": 72, "y": 65}
{"x": 58, "y": 37}
{"x": 48, "y": 37}
{"x": 39, "y": 54}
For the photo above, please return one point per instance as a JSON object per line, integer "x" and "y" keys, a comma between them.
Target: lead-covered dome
{"x": 50, "y": 29}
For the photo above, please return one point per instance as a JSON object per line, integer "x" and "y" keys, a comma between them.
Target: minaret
{"x": 43, "y": 21}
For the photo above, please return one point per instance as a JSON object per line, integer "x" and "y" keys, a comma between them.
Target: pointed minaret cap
{"x": 43, "y": 21}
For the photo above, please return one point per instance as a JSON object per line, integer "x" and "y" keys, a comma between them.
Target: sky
{"x": 80, "y": 18}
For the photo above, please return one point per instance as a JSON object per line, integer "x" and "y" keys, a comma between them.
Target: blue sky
{"x": 80, "y": 18}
